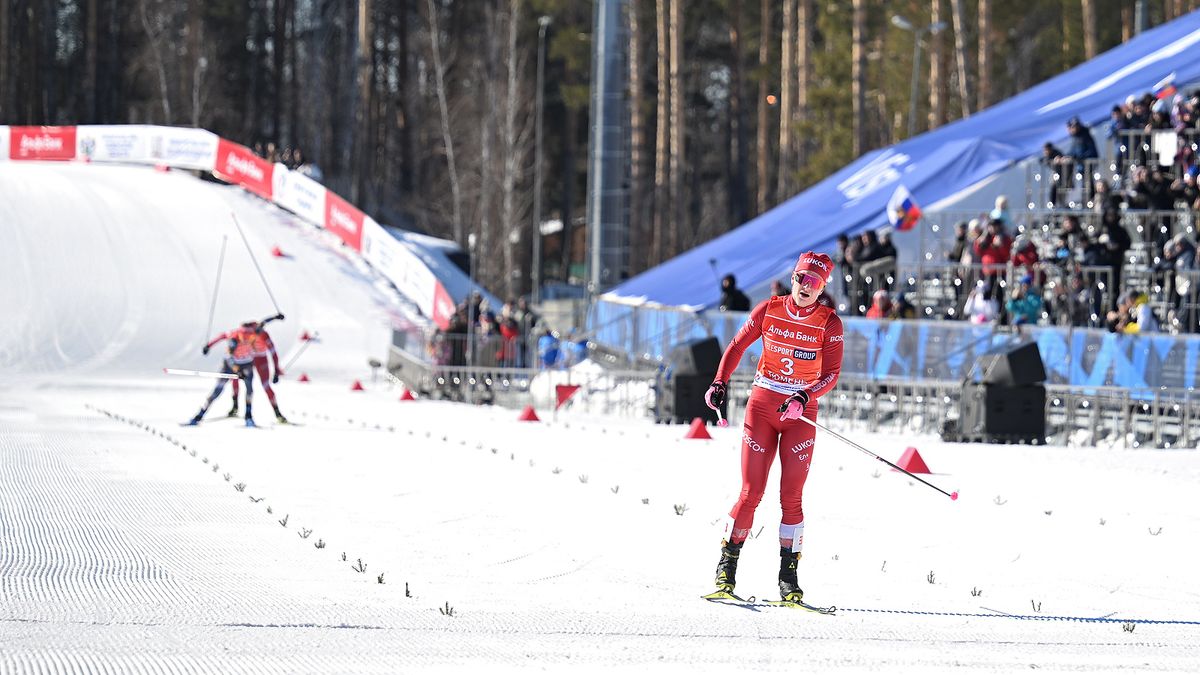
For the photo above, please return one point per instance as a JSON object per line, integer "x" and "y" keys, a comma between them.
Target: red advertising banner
{"x": 238, "y": 165}
{"x": 42, "y": 143}
{"x": 344, "y": 220}
{"x": 443, "y": 306}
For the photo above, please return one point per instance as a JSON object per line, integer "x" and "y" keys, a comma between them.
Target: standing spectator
{"x": 881, "y": 305}
{"x": 1081, "y": 146}
{"x": 902, "y": 308}
{"x": 732, "y": 298}
{"x": 886, "y": 248}
{"x": 1001, "y": 212}
{"x": 1142, "y": 317}
{"x": 844, "y": 262}
{"x": 1025, "y": 305}
{"x": 994, "y": 249}
{"x": 548, "y": 346}
{"x": 981, "y": 307}
{"x": 1119, "y": 318}
{"x": 1051, "y": 157}
{"x": 1024, "y": 254}
{"x": 1113, "y": 132}
{"x": 1081, "y": 149}
{"x": 955, "y": 254}
{"x": 867, "y": 251}
{"x": 1118, "y": 243}
{"x": 1184, "y": 190}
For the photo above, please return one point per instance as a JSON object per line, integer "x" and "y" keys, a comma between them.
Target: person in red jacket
{"x": 994, "y": 248}
{"x": 263, "y": 347}
{"x": 801, "y": 359}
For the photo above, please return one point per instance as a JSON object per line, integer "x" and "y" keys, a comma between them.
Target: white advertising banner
{"x": 4, "y": 143}
{"x": 401, "y": 266}
{"x": 299, "y": 194}
{"x": 113, "y": 143}
{"x": 183, "y": 148}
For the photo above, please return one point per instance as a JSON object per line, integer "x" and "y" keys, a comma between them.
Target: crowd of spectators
{"x": 292, "y": 158}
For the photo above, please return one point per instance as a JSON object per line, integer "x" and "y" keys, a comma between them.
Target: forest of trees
{"x": 422, "y": 111}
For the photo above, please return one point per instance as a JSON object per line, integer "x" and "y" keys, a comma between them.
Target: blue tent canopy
{"x": 933, "y": 166}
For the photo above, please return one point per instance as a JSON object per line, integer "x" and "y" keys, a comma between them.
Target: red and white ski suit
{"x": 802, "y": 349}
{"x": 262, "y": 347}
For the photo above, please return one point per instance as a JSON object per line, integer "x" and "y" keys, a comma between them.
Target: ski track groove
{"x": 82, "y": 541}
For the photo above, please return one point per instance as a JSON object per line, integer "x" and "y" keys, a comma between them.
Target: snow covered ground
{"x": 131, "y": 544}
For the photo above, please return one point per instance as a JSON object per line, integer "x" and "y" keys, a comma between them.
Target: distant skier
{"x": 801, "y": 360}
{"x": 237, "y": 362}
{"x": 264, "y": 347}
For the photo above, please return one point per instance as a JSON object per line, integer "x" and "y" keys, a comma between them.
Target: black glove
{"x": 275, "y": 378}
{"x": 279, "y": 316}
{"x": 204, "y": 350}
{"x": 714, "y": 398}
{"x": 801, "y": 396}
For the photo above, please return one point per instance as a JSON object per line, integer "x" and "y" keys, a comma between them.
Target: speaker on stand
{"x": 692, "y": 368}
{"x": 1003, "y": 397}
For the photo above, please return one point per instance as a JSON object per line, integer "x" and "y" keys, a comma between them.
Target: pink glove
{"x": 714, "y": 398}
{"x": 793, "y": 407}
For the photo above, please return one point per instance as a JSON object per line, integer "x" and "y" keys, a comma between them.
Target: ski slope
{"x": 385, "y": 536}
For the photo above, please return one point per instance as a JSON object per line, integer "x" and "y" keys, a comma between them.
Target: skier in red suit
{"x": 239, "y": 357}
{"x": 801, "y": 358}
{"x": 264, "y": 347}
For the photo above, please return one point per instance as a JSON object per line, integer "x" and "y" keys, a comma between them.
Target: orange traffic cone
{"x": 911, "y": 462}
{"x": 697, "y": 430}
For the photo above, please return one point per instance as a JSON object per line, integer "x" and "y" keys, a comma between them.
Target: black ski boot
{"x": 233, "y": 412}
{"x": 789, "y": 587}
{"x": 727, "y": 567}
{"x": 279, "y": 416}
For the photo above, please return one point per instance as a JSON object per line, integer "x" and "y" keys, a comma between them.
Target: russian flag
{"x": 1165, "y": 87}
{"x": 902, "y": 210}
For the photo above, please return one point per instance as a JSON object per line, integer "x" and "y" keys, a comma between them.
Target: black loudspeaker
{"x": 698, "y": 357}
{"x": 1010, "y": 365}
{"x": 993, "y": 413}
{"x": 682, "y": 400}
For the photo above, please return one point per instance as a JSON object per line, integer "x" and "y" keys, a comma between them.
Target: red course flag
{"x": 564, "y": 392}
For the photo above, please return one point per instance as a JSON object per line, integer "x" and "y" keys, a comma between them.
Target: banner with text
{"x": 299, "y": 194}
{"x": 344, "y": 220}
{"x": 46, "y": 143}
{"x": 239, "y": 165}
{"x": 407, "y": 272}
{"x": 183, "y": 148}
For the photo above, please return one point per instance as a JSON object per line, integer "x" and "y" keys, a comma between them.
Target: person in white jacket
{"x": 981, "y": 307}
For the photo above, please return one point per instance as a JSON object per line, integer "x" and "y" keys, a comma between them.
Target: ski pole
{"x": 952, "y": 495}
{"x": 255, "y": 261}
{"x": 199, "y": 373}
{"x": 287, "y": 366}
{"x": 216, "y": 287}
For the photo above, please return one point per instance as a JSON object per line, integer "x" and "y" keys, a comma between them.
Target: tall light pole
{"x": 935, "y": 28}
{"x": 536, "y": 275}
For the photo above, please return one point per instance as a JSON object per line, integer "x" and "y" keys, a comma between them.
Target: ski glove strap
{"x": 714, "y": 398}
